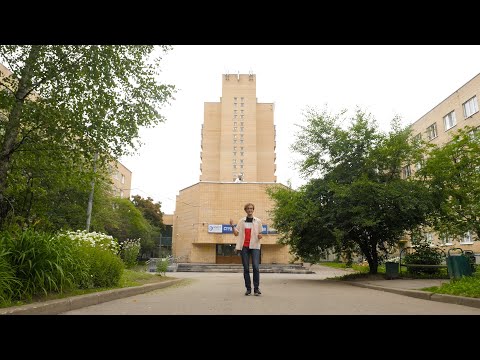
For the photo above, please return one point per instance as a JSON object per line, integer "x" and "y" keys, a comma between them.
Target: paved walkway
{"x": 283, "y": 294}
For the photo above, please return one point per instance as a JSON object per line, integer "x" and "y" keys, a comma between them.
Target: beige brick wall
{"x": 216, "y": 203}
{"x": 265, "y": 143}
{"x": 121, "y": 180}
{"x": 238, "y": 135}
{"x": 167, "y": 219}
{"x": 454, "y": 102}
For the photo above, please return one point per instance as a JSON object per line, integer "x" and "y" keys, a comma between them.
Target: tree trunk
{"x": 12, "y": 128}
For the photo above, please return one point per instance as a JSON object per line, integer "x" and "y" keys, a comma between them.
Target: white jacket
{"x": 256, "y": 229}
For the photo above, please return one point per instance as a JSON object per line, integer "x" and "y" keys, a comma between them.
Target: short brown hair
{"x": 247, "y": 205}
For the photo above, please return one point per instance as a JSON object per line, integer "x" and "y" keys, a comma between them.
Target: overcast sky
{"x": 386, "y": 80}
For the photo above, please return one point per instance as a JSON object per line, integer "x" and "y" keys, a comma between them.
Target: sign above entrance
{"x": 216, "y": 229}
{"x": 227, "y": 229}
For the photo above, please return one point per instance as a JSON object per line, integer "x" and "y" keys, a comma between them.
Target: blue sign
{"x": 227, "y": 229}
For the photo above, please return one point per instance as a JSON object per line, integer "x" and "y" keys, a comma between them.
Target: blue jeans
{"x": 255, "y": 254}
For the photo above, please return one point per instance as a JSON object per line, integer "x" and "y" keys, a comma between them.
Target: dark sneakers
{"x": 248, "y": 292}
{"x": 257, "y": 292}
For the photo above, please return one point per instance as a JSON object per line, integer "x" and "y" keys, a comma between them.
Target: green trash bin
{"x": 458, "y": 265}
{"x": 391, "y": 270}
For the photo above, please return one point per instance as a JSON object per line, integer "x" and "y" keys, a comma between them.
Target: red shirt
{"x": 248, "y": 231}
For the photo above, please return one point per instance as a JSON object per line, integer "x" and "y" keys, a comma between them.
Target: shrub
{"x": 104, "y": 268}
{"x": 424, "y": 254}
{"x": 129, "y": 250}
{"x": 94, "y": 239}
{"x": 162, "y": 266}
{"x": 8, "y": 282}
{"x": 40, "y": 262}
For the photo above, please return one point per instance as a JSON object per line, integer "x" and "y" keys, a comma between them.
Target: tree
{"x": 453, "y": 174}
{"x": 358, "y": 203}
{"x": 77, "y": 99}
{"x": 124, "y": 222}
{"x": 50, "y": 191}
{"x": 151, "y": 211}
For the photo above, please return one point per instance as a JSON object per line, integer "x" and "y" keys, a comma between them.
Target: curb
{"x": 55, "y": 307}
{"x": 425, "y": 295}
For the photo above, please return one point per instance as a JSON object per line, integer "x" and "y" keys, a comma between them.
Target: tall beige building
{"x": 237, "y": 166}
{"x": 238, "y": 135}
{"x": 437, "y": 126}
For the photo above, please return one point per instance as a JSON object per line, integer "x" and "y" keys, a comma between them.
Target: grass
{"x": 468, "y": 286}
{"x": 131, "y": 277}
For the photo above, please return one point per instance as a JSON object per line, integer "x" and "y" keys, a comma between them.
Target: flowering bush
{"x": 94, "y": 239}
{"x": 129, "y": 250}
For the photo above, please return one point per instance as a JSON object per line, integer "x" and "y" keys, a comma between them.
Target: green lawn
{"x": 133, "y": 277}
{"x": 468, "y": 286}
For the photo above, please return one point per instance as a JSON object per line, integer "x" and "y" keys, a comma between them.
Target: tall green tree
{"x": 151, "y": 211}
{"x": 453, "y": 174}
{"x": 80, "y": 100}
{"x": 124, "y": 221}
{"x": 357, "y": 203}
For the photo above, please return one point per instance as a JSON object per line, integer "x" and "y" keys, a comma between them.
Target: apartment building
{"x": 437, "y": 126}
{"x": 237, "y": 166}
{"x": 121, "y": 180}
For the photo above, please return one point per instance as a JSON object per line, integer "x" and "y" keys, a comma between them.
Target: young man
{"x": 249, "y": 233}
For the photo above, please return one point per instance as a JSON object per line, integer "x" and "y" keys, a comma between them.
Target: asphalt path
{"x": 205, "y": 293}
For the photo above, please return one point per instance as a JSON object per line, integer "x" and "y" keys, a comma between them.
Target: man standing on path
{"x": 249, "y": 233}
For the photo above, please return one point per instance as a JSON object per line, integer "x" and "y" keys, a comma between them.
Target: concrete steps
{"x": 237, "y": 268}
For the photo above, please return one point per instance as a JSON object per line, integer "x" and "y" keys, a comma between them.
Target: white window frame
{"x": 450, "y": 120}
{"x": 429, "y": 237}
{"x": 470, "y": 107}
{"x": 432, "y": 131}
{"x": 446, "y": 240}
{"x": 467, "y": 238}
{"x": 406, "y": 171}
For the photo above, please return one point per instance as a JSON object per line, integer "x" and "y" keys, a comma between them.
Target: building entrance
{"x": 226, "y": 254}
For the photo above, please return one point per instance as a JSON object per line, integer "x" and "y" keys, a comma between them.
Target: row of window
{"x": 234, "y": 160}
{"x": 470, "y": 107}
{"x": 448, "y": 240}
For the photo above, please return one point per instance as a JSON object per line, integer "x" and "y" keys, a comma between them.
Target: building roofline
{"x": 429, "y": 111}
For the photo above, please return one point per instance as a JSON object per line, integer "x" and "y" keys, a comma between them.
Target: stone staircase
{"x": 237, "y": 268}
